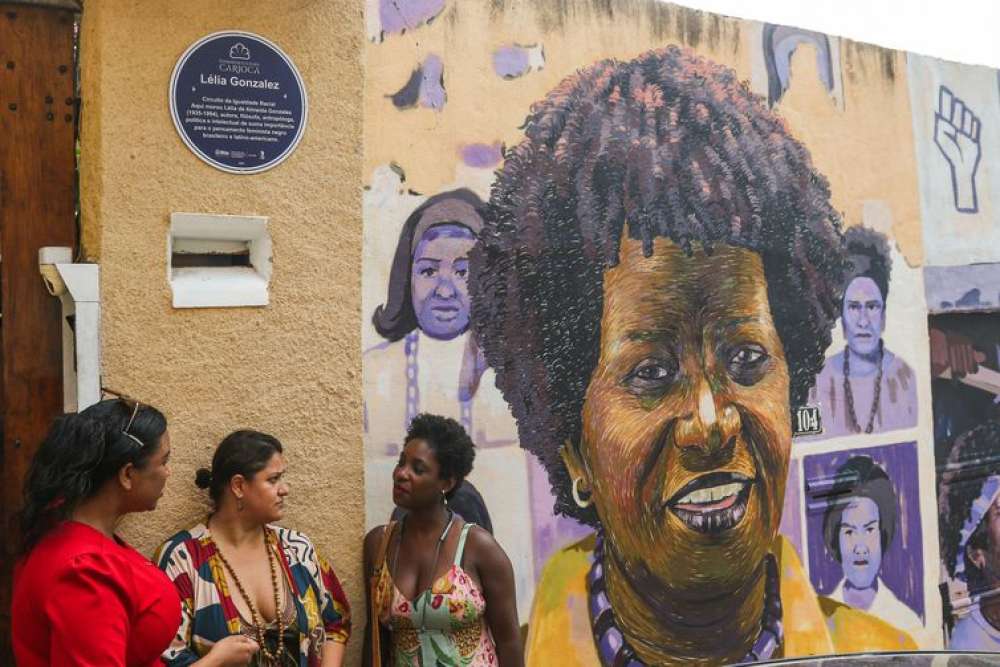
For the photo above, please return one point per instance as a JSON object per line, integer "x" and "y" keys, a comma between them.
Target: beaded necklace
{"x": 615, "y": 651}
{"x": 410, "y": 347}
{"x": 849, "y": 394}
{"x": 258, "y": 624}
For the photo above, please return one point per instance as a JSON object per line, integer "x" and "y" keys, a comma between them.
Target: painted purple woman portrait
{"x": 860, "y": 527}
{"x": 428, "y": 362}
{"x": 428, "y": 280}
{"x": 865, "y": 388}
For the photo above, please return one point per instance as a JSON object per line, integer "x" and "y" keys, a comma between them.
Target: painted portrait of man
{"x": 865, "y": 387}
{"x": 655, "y": 285}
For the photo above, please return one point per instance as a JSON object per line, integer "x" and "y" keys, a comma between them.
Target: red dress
{"x": 81, "y": 598}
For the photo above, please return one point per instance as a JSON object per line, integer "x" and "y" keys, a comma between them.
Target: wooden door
{"x": 37, "y": 183}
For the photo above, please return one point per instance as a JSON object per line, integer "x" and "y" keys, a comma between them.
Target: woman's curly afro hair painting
{"x": 666, "y": 145}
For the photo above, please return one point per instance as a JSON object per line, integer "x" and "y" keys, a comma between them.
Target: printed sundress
{"x": 444, "y": 626}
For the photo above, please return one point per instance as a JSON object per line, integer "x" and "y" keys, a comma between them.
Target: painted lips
{"x": 446, "y": 313}
{"x": 712, "y": 503}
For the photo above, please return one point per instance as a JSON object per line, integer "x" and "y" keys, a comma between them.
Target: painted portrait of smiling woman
{"x": 655, "y": 285}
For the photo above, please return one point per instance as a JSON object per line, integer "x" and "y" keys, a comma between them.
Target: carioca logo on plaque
{"x": 238, "y": 102}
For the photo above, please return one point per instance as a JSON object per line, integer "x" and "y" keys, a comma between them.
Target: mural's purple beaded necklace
{"x": 615, "y": 651}
{"x": 849, "y": 393}
{"x": 413, "y": 389}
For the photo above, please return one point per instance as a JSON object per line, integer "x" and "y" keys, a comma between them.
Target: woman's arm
{"x": 336, "y": 616}
{"x": 496, "y": 576}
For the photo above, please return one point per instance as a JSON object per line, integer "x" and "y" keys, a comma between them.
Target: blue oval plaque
{"x": 238, "y": 102}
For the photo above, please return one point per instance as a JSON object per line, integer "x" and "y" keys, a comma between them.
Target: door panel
{"x": 37, "y": 181}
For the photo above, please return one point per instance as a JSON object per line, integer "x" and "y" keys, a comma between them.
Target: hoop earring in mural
{"x": 580, "y": 502}
{"x": 239, "y": 504}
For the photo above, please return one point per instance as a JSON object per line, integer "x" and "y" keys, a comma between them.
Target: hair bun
{"x": 203, "y": 478}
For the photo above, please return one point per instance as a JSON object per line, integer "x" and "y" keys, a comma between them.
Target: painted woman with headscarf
{"x": 969, "y": 506}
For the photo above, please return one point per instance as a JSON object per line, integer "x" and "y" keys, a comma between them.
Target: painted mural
{"x": 865, "y": 387}
{"x": 673, "y": 273}
{"x": 966, "y": 388}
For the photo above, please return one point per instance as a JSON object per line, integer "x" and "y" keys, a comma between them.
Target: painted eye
{"x": 747, "y": 364}
{"x": 652, "y": 374}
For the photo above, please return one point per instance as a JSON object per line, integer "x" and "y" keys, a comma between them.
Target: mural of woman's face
{"x": 863, "y": 317}
{"x": 438, "y": 279}
{"x": 860, "y": 542}
{"x": 686, "y": 426}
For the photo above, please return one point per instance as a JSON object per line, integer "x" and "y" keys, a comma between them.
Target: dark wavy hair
{"x": 870, "y": 257}
{"x": 860, "y": 477}
{"x": 81, "y": 452}
{"x": 244, "y": 452}
{"x": 974, "y": 457}
{"x": 666, "y": 145}
{"x": 395, "y": 318}
{"x": 452, "y": 446}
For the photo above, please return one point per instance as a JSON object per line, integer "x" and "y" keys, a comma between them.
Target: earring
{"x": 580, "y": 502}
{"x": 239, "y": 504}
{"x": 444, "y": 498}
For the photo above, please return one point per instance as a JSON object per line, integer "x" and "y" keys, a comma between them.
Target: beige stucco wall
{"x": 292, "y": 368}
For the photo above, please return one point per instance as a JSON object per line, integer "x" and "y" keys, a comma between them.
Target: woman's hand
{"x": 233, "y": 651}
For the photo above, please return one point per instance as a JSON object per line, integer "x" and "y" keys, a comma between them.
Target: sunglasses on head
{"x": 135, "y": 406}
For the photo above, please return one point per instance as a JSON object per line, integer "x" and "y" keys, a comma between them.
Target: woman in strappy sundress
{"x": 442, "y": 589}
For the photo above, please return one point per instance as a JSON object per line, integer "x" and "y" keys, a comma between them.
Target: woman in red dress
{"x": 82, "y": 596}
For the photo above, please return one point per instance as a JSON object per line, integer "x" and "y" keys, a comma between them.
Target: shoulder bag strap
{"x": 374, "y": 611}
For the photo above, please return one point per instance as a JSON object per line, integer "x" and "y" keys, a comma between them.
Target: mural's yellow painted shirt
{"x": 559, "y": 631}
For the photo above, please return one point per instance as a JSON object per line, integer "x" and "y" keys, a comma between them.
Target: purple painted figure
{"x": 969, "y": 520}
{"x": 865, "y": 388}
{"x": 864, "y": 532}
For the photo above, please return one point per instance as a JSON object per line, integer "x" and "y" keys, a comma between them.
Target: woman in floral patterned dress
{"x": 444, "y": 590}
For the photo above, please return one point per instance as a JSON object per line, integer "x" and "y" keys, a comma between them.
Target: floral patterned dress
{"x": 444, "y": 626}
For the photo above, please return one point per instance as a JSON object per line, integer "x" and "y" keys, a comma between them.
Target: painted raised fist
{"x": 956, "y": 133}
